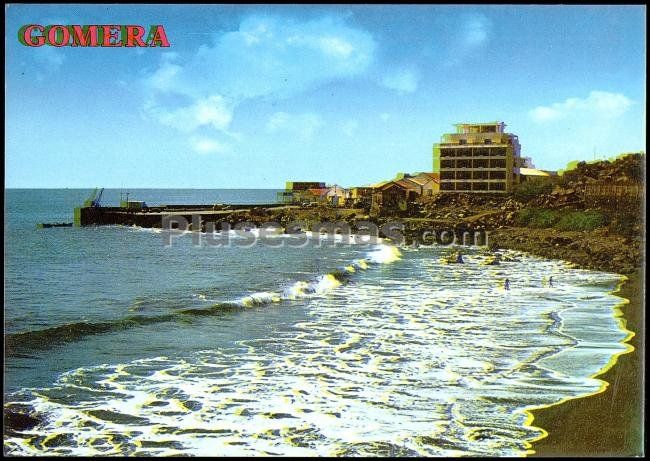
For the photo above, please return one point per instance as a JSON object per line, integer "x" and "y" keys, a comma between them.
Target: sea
{"x": 120, "y": 345}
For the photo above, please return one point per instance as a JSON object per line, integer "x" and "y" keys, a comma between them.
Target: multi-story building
{"x": 479, "y": 157}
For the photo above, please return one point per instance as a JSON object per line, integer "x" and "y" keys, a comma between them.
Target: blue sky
{"x": 252, "y": 96}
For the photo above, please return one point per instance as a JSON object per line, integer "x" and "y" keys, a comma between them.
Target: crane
{"x": 94, "y": 199}
{"x": 96, "y": 202}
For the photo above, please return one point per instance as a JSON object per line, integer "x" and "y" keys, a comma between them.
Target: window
{"x": 497, "y": 151}
{"x": 487, "y": 141}
{"x": 462, "y": 141}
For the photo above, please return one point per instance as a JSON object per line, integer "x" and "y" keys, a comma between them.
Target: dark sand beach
{"x": 609, "y": 423}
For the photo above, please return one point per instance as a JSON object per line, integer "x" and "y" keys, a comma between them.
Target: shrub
{"x": 537, "y": 217}
{"x": 581, "y": 221}
{"x": 532, "y": 188}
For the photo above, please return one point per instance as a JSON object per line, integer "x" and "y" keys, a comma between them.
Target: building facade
{"x": 478, "y": 158}
{"x": 299, "y": 191}
{"x": 429, "y": 183}
{"x": 395, "y": 195}
{"x": 361, "y": 196}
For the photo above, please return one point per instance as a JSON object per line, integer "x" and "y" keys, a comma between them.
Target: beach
{"x": 317, "y": 350}
{"x": 609, "y": 423}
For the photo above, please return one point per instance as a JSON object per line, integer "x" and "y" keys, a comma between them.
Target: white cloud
{"x": 302, "y": 125}
{"x": 597, "y": 125}
{"x": 164, "y": 79}
{"x": 403, "y": 81}
{"x": 543, "y": 114}
{"x": 268, "y": 56}
{"x": 599, "y": 104}
{"x": 335, "y": 46}
{"x": 212, "y": 111}
{"x": 204, "y": 145}
{"x": 350, "y": 127}
{"x": 473, "y": 33}
{"x": 476, "y": 30}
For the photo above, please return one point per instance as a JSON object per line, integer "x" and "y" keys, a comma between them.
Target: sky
{"x": 251, "y": 96}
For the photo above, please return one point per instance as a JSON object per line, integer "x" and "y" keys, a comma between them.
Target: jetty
{"x": 138, "y": 213}
{"x": 144, "y": 216}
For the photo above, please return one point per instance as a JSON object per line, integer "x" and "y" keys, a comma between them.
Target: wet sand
{"x": 609, "y": 423}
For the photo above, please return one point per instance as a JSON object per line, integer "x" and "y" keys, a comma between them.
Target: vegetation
{"x": 561, "y": 219}
{"x": 581, "y": 221}
{"x": 537, "y": 217}
{"x": 533, "y": 188}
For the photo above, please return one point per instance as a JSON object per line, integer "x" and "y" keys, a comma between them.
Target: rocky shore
{"x": 604, "y": 248}
{"x": 558, "y": 218}
{"x": 597, "y": 250}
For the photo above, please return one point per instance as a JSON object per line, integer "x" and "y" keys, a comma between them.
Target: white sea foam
{"x": 423, "y": 360}
{"x": 384, "y": 254}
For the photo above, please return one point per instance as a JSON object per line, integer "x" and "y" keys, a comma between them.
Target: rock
{"x": 18, "y": 421}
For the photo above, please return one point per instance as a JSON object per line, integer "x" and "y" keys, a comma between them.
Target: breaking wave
{"x": 421, "y": 359}
{"x": 19, "y": 343}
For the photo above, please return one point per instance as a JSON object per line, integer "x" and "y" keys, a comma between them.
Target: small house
{"x": 337, "y": 195}
{"x": 396, "y": 195}
{"x": 361, "y": 196}
{"x": 429, "y": 183}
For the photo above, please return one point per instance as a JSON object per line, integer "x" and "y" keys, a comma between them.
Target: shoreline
{"x": 610, "y": 421}
{"x": 576, "y": 427}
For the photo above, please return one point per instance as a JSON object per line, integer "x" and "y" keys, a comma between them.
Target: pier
{"x": 152, "y": 216}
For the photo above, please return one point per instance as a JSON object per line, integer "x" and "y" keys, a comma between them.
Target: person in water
{"x": 459, "y": 258}
{"x": 506, "y": 284}
{"x": 550, "y": 281}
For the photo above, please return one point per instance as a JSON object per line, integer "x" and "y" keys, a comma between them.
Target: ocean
{"x": 119, "y": 345}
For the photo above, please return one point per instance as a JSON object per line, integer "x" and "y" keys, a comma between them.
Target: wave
{"x": 17, "y": 344}
{"x": 407, "y": 368}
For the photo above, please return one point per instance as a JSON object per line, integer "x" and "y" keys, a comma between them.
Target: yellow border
{"x": 622, "y": 323}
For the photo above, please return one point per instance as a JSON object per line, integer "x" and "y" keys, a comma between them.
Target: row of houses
{"x": 393, "y": 194}
{"x": 404, "y": 189}
{"x": 313, "y": 193}
{"x": 478, "y": 158}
